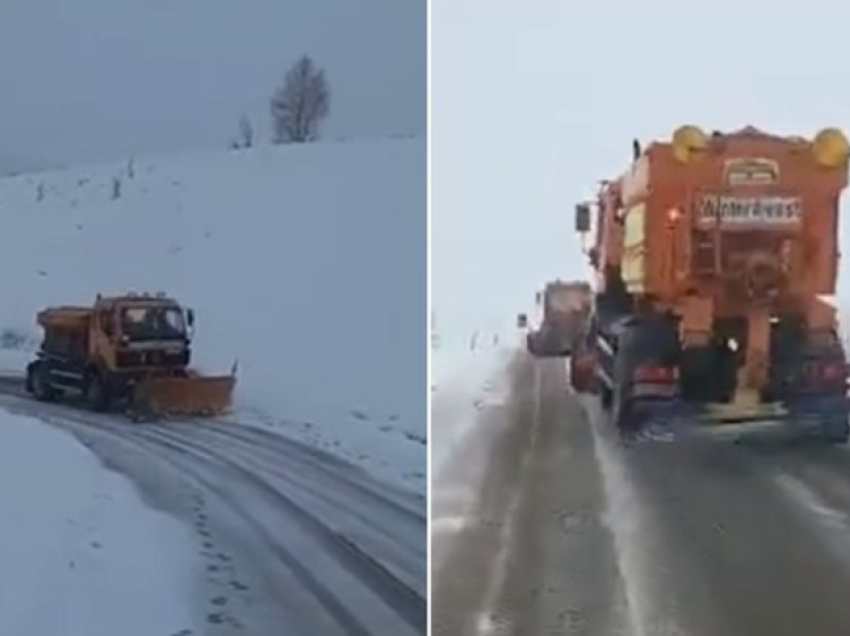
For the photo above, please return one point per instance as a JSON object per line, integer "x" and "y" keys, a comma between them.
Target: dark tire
{"x": 700, "y": 375}
{"x": 606, "y": 397}
{"x": 582, "y": 380}
{"x": 97, "y": 394}
{"x": 38, "y": 380}
{"x": 619, "y": 403}
{"x": 651, "y": 340}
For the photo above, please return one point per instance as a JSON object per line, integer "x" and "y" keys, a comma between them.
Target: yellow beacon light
{"x": 831, "y": 148}
{"x": 687, "y": 141}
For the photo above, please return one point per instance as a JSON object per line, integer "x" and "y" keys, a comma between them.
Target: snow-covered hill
{"x": 307, "y": 264}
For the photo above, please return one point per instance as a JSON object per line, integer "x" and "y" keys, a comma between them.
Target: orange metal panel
{"x": 776, "y": 203}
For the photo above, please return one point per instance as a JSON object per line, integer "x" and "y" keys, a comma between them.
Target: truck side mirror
{"x": 521, "y": 321}
{"x": 190, "y": 317}
{"x": 582, "y": 218}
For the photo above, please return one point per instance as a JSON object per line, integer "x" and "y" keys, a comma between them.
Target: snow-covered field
{"x": 81, "y": 553}
{"x": 305, "y": 264}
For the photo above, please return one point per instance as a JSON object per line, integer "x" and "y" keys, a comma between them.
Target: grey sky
{"x": 85, "y": 80}
{"x": 535, "y": 100}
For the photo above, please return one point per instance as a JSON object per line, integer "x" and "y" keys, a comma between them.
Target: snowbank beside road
{"x": 81, "y": 553}
{"x": 307, "y": 264}
{"x": 469, "y": 383}
{"x": 466, "y": 375}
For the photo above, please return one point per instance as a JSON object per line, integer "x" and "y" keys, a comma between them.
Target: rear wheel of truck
{"x": 38, "y": 378}
{"x": 606, "y": 397}
{"x": 650, "y": 340}
{"x": 582, "y": 377}
{"x": 618, "y": 400}
{"x": 96, "y": 394}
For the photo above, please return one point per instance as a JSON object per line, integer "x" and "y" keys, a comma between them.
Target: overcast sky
{"x": 535, "y": 100}
{"x": 86, "y": 80}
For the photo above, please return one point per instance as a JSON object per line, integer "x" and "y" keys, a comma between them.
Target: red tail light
{"x": 655, "y": 373}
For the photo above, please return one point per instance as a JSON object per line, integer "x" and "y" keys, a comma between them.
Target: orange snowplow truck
{"x": 132, "y": 350}
{"x": 566, "y": 306}
{"x": 712, "y": 254}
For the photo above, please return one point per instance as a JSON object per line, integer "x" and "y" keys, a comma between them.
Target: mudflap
{"x": 156, "y": 399}
{"x": 653, "y": 418}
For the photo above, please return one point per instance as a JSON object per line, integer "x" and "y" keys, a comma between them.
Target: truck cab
{"x": 141, "y": 333}
{"x": 104, "y": 350}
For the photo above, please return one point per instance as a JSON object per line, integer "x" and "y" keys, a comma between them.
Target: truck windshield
{"x": 152, "y": 323}
{"x": 565, "y": 300}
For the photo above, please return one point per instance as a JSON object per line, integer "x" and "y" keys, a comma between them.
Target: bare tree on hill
{"x": 300, "y": 105}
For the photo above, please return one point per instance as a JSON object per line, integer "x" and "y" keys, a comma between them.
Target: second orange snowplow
{"x": 566, "y": 306}
{"x": 131, "y": 351}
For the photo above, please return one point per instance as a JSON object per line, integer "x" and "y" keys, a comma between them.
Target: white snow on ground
{"x": 469, "y": 378}
{"x": 81, "y": 553}
{"x": 467, "y": 375}
{"x": 307, "y": 264}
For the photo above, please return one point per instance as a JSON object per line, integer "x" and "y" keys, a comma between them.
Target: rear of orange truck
{"x": 566, "y": 307}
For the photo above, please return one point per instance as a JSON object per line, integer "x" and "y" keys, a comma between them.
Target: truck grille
{"x": 129, "y": 359}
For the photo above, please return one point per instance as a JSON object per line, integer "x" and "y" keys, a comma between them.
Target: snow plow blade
{"x": 194, "y": 396}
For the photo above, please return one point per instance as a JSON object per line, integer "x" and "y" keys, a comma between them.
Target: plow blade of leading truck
{"x": 192, "y": 396}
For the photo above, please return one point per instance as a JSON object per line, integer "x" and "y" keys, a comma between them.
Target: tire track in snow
{"x": 404, "y": 532}
{"x": 353, "y": 477}
{"x": 405, "y": 601}
{"x": 626, "y": 519}
{"x": 533, "y": 557}
{"x": 486, "y": 625}
{"x": 351, "y": 610}
{"x": 818, "y": 485}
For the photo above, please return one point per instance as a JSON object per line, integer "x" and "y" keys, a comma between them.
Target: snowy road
{"x": 293, "y": 540}
{"x": 544, "y": 525}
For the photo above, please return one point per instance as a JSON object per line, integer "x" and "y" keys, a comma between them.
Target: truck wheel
{"x": 606, "y": 397}
{"x": 702, "y": 380}
{"x": 39, "y": 379}
{"x": 654, "y": 339}
{"x": 619, "y": 401}
{"x": 97, "y": 395}
{"x": 581, "y": 379}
